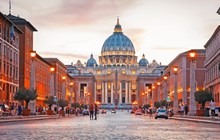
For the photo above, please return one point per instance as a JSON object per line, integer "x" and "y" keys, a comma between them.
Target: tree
{"x": 26, "y": 95}
{"x": 146, "y": 106}
{"x": 157, "y": 104}
{"x": 202, "y": 96}
{"x": 50, "y": 101}
{"x": 62, "y": 103}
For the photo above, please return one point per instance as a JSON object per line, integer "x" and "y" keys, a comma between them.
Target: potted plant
{"x": 49, "y": 101}
{"x": 26, "y": 95}
{"x": 62, "y": 103}
{"x": 202, "y": 96}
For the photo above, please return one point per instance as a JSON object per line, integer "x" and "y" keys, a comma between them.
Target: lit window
{"x": 133, "y": 72}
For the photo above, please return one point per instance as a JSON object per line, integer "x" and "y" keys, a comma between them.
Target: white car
{"x": 161, "y": 113}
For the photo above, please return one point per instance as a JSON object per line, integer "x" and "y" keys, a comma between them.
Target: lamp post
{"x": 175, "y": 103}
{"x": 32, "y": 103}
{"x": 165, "y": 86}
{"x": 52, "y": 90}
{"x": 158, "y": 91}
{"x": 153, "y": 88}
{"x": 71, "y": 92}
{"x": 192, "y": 102}
{"x": 143, "y": 98}
{"x": 63, "y": 87}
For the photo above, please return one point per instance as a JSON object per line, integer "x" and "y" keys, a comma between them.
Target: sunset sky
{"x": 161, "y": 29}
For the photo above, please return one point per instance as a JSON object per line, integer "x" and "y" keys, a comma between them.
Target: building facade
{"x": 212, "y": 65}
{"x": 115, "y": 80}
{"x": 9, "y": 59}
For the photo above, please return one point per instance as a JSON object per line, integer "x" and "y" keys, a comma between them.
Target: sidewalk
{"x": 201, "y": 119}
{"x": 6, "y": 119}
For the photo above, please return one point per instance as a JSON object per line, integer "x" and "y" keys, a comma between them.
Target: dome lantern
{"x": 118, "y": 28}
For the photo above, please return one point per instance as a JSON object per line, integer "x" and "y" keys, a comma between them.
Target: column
{"x": 95, "y": 96}
{"x": 129, "y": 89}
{"x": 153, "y": 96}
{"x": 103, "y": 94}
{"x": 120, "y": 99}
{"x": 63, "y": 89}
{"x": 106, "y": 92}
{"x": 126, "y": 92}
{"x": 158, "y": 93}
{"x": 112, "y": 101}
{"x": 192, "y": 102}
{"x": 32, "y": 103}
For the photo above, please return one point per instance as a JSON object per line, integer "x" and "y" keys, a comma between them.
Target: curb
{"x": 196, "y": 120}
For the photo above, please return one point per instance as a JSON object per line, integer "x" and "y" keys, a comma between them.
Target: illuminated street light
{"x": 32, "y": 81}
{"x": 192, "y": 103}
{"x": 175, "y": 103}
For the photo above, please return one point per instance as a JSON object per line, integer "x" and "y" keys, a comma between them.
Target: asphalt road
{"x": 119, "y": 126}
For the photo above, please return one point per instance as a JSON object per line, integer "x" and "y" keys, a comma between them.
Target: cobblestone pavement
{"x": 119, "y": 126}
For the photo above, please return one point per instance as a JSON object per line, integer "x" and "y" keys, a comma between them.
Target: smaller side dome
{"x": 143, "y": 61}
{"x": 91, "y": 62}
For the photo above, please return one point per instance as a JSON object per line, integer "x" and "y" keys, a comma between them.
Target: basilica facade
{"x": 119, "y": 80}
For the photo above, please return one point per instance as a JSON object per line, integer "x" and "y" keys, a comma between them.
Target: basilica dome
{"x": 143, "y": 61}
{"x": 91, "y": 62}
{"x": 118, "y": 49}
{"x": 118, "y": 42}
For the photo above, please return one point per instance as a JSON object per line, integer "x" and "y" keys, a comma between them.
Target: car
{"x": 103, "y": 111}
{"x": 85, "y": 112}
{"x": 161, "y": 113}
{"x": 217, "y": 110}
{"x": 138, "y": 112}
{"x": 5, "y": 110}
{"x": 113, "y": 111}
{"x": 132, "y": 111}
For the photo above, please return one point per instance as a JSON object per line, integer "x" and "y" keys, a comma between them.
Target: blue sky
{"x": 73, "y": 29}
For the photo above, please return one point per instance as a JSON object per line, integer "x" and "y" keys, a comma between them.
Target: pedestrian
{"x": 91, "y": 107}
{"x": 212, "y": 107}
{"x": 150, "y": 113}
{"x": 12, "y": 108}
{"x": 19, "y": 109}
{"x": 186, "y": 109}
{"x": 96, "y": 110}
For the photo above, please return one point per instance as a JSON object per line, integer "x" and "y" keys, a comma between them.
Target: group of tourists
{"x": 183, "y": 109}
{"x": 93, "y": 109}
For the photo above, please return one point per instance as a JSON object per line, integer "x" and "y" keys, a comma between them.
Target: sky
{"x": 72, "y": 30}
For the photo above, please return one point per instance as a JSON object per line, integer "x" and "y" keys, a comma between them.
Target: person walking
{"x": 96, "y": 110}
{"x": 19, "y": 109}
{"x": 150, "y": 113}
{"x": 91, "y": 108}
{"x": 186, "y": 109}
{"x": 212, "y": 107}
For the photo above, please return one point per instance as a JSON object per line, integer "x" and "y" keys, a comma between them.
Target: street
{"x": 119, "y": 126}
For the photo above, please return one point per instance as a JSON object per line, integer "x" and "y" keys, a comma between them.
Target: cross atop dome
{"x": 118, "y": 28}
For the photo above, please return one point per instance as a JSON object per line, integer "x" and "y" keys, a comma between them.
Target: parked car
{"x": 85, "y": 112}
{"x": 132, "y": 111}
{"x": 161, "y": 113}
{"x": 217, "y": 110}
{"x": 5, "y": 110}
{"x": 138, "y": 112}
{"x": 103, "y": 111}
{"x": 113, "y": 111}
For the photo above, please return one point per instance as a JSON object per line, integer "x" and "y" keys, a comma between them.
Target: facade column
{"x": 32, "y": 103}
{"x": 129, "y": 89}
{"x": 120, "y": 99}
{"x": 126, "y": 92}
{"x": 103, "y": 93}
{"x": 95, "y": 96}
{"x": 106, "y": 92}
{"x": 158, "y": 93}
{"x": 192, "y": 102}
{"x": 153, "y": 88}
{"x": 112, "y": 101}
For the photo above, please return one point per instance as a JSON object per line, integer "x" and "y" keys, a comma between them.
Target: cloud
{"x": 80, "y": 12}
{"x": 70, "y": 55}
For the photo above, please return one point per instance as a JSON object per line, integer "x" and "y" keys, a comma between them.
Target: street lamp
{"x": 63, "y": 87}
{"x": 192, "y": 103}
{"x": 158, "y": 91}
{"x": 175, "y": 103}
{"x": 165, "y": 86}
{"x": 32, "y": 81}
{"x": 52, "y": 90}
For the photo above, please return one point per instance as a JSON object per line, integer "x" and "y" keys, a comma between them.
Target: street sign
{"x": 168, "y": 99}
